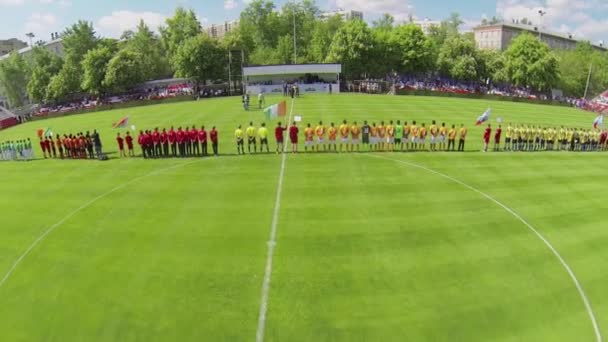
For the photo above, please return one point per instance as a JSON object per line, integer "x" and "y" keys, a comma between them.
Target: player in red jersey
{"x": 180, "y": 142}
{"x": 486, "y": 138}
{"x": 187, "y": 142}
{"x": 172, "y": 136}
{"x": 293, "y": 136}
{"x": 215, "y": 143}
{"x": 194, "y": 141}
{"x": 43, "y": 147}
{"x": 156, "y": 143}
{"x": 202, "y": 137}
{"x": 141, "y": 141}
{"x": 164, "y": 142}
{"x": 278, "y": 134}
{"x": 497, "y": 137}
{"x": 129, "y": 141}
{"x": 121, "y": 145}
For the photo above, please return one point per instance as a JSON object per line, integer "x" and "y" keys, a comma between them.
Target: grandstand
{"x": 7, "y": 118}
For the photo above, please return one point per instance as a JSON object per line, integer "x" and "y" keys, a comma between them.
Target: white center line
{"x": 577, "y": 284}
{"x": 271, "y": 244}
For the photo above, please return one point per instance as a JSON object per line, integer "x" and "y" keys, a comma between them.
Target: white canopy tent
{"x": 311, "y": 78}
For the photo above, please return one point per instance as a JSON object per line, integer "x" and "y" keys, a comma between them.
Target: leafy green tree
{"x": 14, "y": 74}
{"x": 44, "y": 65}
{"x": 66, "y": 83}
{"x": 177, "y": 30}
{"x": 95, "y": 65}
{"x": 78, "y": 39}
{"x": 385, "y": 23}
{"x": 385, "y": 49}
{"x": 304, "y": 15}
{"x": 261, "y": 24}
{"x": 201, "y": 59}
{"x": 459, "y": 59}
{"x": 414, "y": 49}
{"x": 322, "y": 37}
{"x": 492, "y": 66}
{"x": 530, "y": 63}
{"x": 574, "y": 66}
{"x": 125, "y": 70}
{"x": 352, "y": 46}
{"x": 148, "y": 45}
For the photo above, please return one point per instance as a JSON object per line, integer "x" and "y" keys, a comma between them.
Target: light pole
{"x": 541, "y": 14}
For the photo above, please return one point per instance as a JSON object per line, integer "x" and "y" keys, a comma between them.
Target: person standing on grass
{"x": 251, "y": 140}
{"x": 202, "y": 137}
{"x": 293, "y": 137}
{"x": 188, "y": 142}
{"x": 434, "y": 131}
{"x": 344, "y": 132}
{"x": 129, "y": 141}
{"x": 156, "y": 143}
{"x": 164, "y": 141}
{"x": 263, "y": 134}
{"x": 333, "y": 134}
{"x": 390, "y": 137}
{"x": 443, "y": 132}
{"x": 261, "y": 100}
{"x": 239, "y": 135}
{"x": 59, "y": 146}
{"x": 398, "y": 136}
{"x": 141, "y": 141}
{"x": 423, "y": 132}
{"x": 214, "y": 137}
{"x": 279, "y": 136}
{"x": 381, "y": 136}
{"x": 603, "y": 140}
{"x": 121, "y": 145}
{"x": 309, "y": 134}
{"x": 463, "y": 137}
{"x": 486, "y": 138}
{"x": 497, "y": 137}
{"x": 373, "y": 137}
{"x": 365, "y": 134}
{"x": 355, "y": 133}
{"x": 415, "y": 133}
{"x": 194, "y": 141}
{"x": 172, "y": 137}
{"x": 320, "y": 133}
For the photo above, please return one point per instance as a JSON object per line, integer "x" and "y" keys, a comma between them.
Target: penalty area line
{"x": 49, "y": 230}
{"x": 272, "y": 242}
{"x": 562, "y": 261}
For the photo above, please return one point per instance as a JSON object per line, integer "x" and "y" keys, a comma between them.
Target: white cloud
{"x": 400, "y": 9}
{"x": 41, "y": 24}
{"x": 567, "y": 16}
{"x": 230, "y": 4}
{"x": 61, "y": 3}
{"x": 11, "y": 2}
{"x": 119, "y": 21}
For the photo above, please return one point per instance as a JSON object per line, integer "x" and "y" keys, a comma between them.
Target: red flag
{"x": 122, "y": 123}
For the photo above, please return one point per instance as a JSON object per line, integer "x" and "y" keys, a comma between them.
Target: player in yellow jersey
{"x": 463, "y": 137}
{"x": 309, "y": 134}
{"x": 433, "y": 133}
{"x": 422, "y": 133}
{"x": 381, "y": 136}
{"x": 239, "y": 135}
{"x": 390, "y": 136}
{"x": 562, "y": 138}
{"x": 263, "y": 135}
{"x": 452, "y": 139}
{"x": 373, "y": 133}
{"x": 524, "y": 138}
{"x": 516, "y": 137}
{"x": 333, "y": 135}
{"x": 406, "y": 137}
{"x": 344, "y": 132}
{"x": 251, "y": 140}
{"x": 443, "y": 133}
{"x": 414, "y": 133}
{"x": 320, "y": 132}
{"x": 355, "y": 132}
{"x": 508, "y": 137}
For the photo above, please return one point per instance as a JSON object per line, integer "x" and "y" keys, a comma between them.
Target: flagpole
{"x": 588, "y": 80}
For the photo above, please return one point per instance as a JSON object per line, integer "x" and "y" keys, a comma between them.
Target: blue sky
{"x": 584, "y": 18}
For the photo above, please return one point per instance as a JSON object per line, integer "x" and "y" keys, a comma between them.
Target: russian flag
{"x": 484, "y": 117}
{"x": 122, "y": 123}
{"x": 599, "y": 121}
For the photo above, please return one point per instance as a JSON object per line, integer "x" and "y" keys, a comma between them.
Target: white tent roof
{"x": 293, "y": 69}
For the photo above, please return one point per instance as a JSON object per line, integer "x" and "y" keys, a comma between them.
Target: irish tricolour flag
{"x": 276, "y": 110}
{"x": 122, "y": 123}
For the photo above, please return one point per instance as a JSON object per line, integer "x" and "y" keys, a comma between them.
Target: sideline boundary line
{"x": 272, "y": 242}
{"x": 583, "y": 295}
{"x": 49, "y": 230}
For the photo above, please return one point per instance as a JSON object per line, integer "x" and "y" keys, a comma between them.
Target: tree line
{"x": 265, "y": 35}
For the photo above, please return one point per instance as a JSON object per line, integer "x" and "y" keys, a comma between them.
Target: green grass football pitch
{"x": 369, "y": 247}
